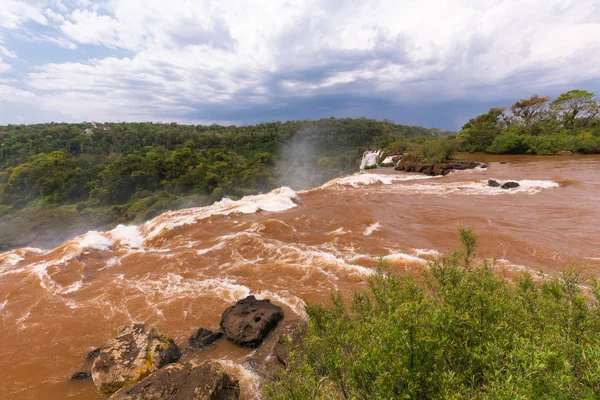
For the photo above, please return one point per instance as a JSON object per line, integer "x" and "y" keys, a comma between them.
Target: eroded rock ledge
{"x": 436, "y": 169}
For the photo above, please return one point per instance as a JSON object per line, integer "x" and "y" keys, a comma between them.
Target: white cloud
{"x": 185, "y": 57}
{"x": 13, "y": 13}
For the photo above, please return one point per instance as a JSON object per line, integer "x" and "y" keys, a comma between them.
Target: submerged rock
{"x": 207, "y": 381}
{"x": 136, "y": 352}
{"x": 493, "y": 183}
{"x": 249, "y": 321}
{"x": 510, "y": 185}
{"x": 203, "y": 337}
{"x": 81, "y": 376}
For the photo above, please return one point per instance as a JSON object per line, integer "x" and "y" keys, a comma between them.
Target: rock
{"x": 484, "y": 166}
{"x": 564, "y": 153}
{"x": 207, "y": 381}
{"x": 493, "y": 183}
{"x": 81, "y": 375}
{"x": 203, "y": 337}
{"x": 137, "y": 351}
{"x": 510, "y": 185}
{"x": 502, "y": 162}
{"x": 290, "y": 337}
{"x": 249, "y": 321}
{"x": 272, "y": 357}
{"x": 92, "y": 355}
{"x": 437, "y": 168}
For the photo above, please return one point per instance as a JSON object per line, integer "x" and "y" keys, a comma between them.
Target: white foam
{"x": 475, "y": 188}
{"x": 94, "y": 240}
{"x": 127, "y": 235}
{"x": 9, "y": 260}
{"x": 365, "y": 179}
{"x": 337, "y": 232}
{"x": 370, "y": 158}
{"x": 404, "y": 257}
{"x": 371, "y": 228}
{"x": 249, "y": 380}
{"x": 275, "y": 201}
{"x": 295, "y": 303}
{"x": 388, "y": 160}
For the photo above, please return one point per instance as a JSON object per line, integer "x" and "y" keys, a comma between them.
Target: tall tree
{"x": 576, "y": 107}
{"x": 528, "y": 111}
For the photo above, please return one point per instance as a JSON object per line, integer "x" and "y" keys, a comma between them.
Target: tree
{"x": 479, "y": 132}
{"x": 529, "y": 111}
{"x": 576, "y": 106}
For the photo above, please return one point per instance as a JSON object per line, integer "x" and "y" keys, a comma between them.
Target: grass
{"x": 459, "y": 332}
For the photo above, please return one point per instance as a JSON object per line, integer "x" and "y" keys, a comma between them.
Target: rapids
{"x": 180, "y": 270}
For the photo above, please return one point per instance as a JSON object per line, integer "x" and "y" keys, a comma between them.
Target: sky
{"x": 434, "y": 63}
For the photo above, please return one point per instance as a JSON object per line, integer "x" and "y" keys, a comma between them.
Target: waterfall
{"x": 370, "y": 158}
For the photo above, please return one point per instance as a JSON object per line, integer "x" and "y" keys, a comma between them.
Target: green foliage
{"x": 432, "y": 151}
{"x": 456, "y": 333}
{"x": 537, "y": 126}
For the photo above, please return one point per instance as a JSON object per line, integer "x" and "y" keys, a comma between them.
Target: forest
{"x": 92, "y": 175}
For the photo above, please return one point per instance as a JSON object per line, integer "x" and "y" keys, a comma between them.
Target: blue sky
{"x": 428, "y": 62}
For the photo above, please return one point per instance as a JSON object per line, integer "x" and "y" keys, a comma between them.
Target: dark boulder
{"x": 510, "y": 185}
{"x": 493, "y": 183}
{"x": 203, "y": 338}
{"x": 81, "y": 376}
{"x": 207, "y": 381}
{"x": 135, "y": 353}
{"x": 249, "y": 321}
{"x": 503, "y": 162}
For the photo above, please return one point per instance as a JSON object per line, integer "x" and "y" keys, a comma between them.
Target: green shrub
{"x": 459, "y": 332}
{"x": 432, "y": 151}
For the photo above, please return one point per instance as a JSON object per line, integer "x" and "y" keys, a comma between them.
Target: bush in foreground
{"x": 460, "y": 332}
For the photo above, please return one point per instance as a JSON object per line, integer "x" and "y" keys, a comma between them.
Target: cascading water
{"x": 370, "y": 158}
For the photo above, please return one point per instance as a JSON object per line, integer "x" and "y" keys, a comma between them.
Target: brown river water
{"x": 179, "y": 271}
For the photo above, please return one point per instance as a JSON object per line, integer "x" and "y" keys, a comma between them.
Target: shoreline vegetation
{"x": 460, "y": 330}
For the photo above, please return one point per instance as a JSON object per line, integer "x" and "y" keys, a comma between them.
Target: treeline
{"x": 134, "y": 171}
{"x": 538, "y": 125}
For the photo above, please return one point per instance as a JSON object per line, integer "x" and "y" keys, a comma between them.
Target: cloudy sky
{"x": 425, "y": 62}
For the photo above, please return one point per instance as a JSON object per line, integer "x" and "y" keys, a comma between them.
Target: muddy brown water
{"x": 179, "y": 271}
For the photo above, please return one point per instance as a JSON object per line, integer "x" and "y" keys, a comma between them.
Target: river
{"x": 179, "y": 271}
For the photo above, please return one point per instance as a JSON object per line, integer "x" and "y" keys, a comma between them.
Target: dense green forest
{"x": 459, "y": 331}
{"x": 70, "y": 177}
{"x": 538, "y": 125}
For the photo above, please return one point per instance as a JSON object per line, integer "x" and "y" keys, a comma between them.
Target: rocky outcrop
{"x": 510, "y": 185}
{"x": 203, "y": 338}
{"x": 249, "y": 321}
{"x": 493, "y": 183}
{"x": 436, "y": 169}
{"x": 207, "y": 381}
{"x": 135, "y": 353}
{"x": 564, "y": 153}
